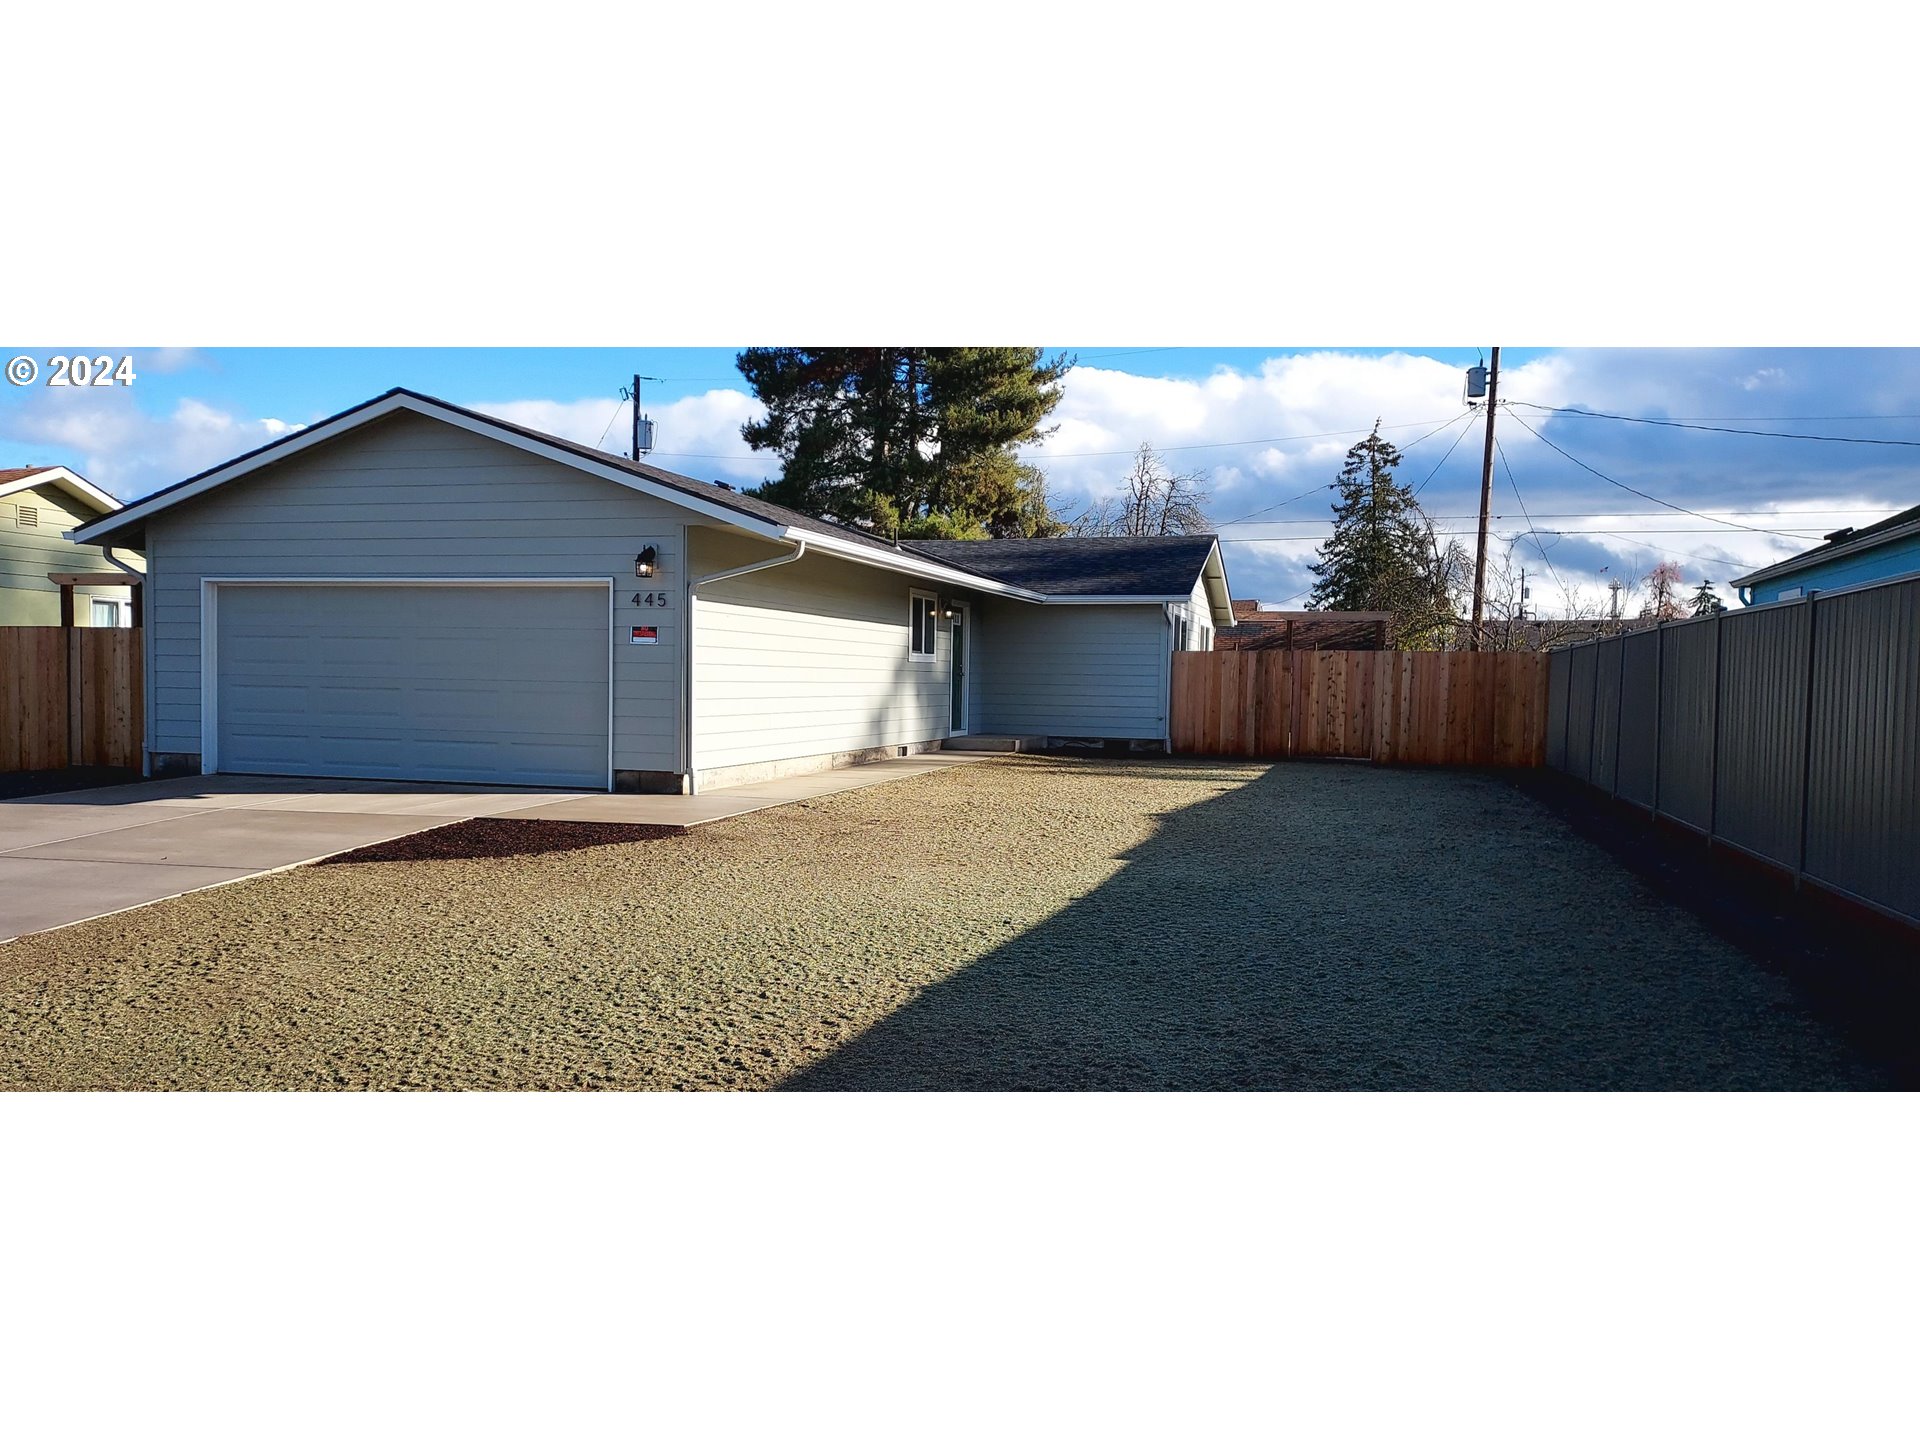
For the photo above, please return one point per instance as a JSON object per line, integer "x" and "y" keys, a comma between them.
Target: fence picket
{"x": 1393, "y": 707}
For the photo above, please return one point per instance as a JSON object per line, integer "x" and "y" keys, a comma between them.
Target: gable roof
{"x": 1841, "y": 542}
{"x": 1145, "y": 569}
{"x": 29, "y": 477}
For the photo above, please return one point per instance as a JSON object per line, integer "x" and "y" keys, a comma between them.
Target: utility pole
{"x": 1486, "y": 503}
{"x": 638, "y": 420}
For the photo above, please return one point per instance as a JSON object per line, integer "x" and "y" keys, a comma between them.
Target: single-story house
{"x": 39, "y": 504}
{"x": 412, "y": 590}
{"x": 1888, "y": 549}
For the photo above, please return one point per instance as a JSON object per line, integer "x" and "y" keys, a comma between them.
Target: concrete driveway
{"x": 85, "y": 853}
{"x": 73, "y": 856}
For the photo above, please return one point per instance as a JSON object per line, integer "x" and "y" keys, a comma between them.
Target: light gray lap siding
{"x": 1093, "y": 670}
{"x": 414, "y": 497}
{"x": 808, "y": 659}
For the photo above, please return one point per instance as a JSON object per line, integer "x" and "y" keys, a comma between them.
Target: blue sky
{"x": 1255, "y": 423}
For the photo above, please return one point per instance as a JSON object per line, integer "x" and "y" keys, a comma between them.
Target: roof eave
{"x": 391, "y": 403}
{"x": 1808, "y": 559}
{"x": 77, "y": 486}
{"x": 908, "y": 563}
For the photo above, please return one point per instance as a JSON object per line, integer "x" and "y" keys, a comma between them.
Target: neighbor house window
{"x": 922, "y": 616}
{"x": 106, "y": 613}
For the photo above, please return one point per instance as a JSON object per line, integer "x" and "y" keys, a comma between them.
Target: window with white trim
{"x": 923, "y": 614}
{"x": 106, "y": 614}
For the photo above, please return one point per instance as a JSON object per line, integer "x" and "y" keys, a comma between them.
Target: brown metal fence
{"x": 69, "y": 697}
{"x": 1396, "y": 707}
{"x": 1790, "y": 732}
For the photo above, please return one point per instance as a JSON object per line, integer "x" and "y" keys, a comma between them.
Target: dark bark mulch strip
{"x": 1858, "y": 970}
{"x": 499, "y": 839}
{"x": 21, "y": 783}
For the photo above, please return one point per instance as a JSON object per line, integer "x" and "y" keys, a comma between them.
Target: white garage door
{"x": 497, "y": 684}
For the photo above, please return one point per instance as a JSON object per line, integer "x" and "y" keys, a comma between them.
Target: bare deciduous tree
{"x": 1664, "y": 586}
{"x": 1156, "y": 501}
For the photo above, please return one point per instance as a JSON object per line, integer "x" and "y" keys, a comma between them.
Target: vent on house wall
{"x": 26, "y": 517}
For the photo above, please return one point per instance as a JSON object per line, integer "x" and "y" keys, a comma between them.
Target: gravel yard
{"x": 1032, "y": 922}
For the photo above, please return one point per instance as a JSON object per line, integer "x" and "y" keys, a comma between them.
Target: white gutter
{"x": 909, "y": 564}
{"x": 694, "y": 582}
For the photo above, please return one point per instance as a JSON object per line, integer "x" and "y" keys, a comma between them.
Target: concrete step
{"x": 1005, "y": 744}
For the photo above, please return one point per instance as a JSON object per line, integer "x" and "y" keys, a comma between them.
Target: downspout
{"x": 1166, "y": 681}
{"x": 694, "y": 582}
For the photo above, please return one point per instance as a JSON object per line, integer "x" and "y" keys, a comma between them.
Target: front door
{"x": 957, "y": 722}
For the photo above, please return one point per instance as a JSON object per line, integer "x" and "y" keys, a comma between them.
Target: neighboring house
{"x": 1257, "y": 628}
{"x": 411, "y": 590}
{"x": 1886, "y": 550}
{"x": 38, "y": 505}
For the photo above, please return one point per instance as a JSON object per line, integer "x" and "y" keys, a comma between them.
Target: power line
{"x": 610, "y": 419}
{"x": 1622, "y": 485}
{"x": 1288, "y": 501}
{"x": 1580, "y": 530}
{"x": 1443, "y": 459}
{"x": 1331, "y": 484}
{"x": 1230, "y": 444}
{"x": 1683, "y": 554}
{"x": 1515, "y": 485}
{"x": 1623, "y": 514}
{"x": 1717, "y": 429}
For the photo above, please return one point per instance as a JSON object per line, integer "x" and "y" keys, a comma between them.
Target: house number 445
{"x": 650, "y": 597}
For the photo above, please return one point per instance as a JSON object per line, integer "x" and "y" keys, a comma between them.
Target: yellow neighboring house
{"x": 38, "y": 505}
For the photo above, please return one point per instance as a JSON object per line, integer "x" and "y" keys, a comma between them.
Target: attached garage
{"x": 505, "y": 682}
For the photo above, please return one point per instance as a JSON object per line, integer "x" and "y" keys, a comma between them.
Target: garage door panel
{"x": 494, "y": 684}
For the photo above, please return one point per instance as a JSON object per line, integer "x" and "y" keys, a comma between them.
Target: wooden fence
{"x": 69, "y": 697}
{"x": 1395, "y": 707}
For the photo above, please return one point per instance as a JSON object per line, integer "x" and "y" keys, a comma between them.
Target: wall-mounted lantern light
{"x": 643, "y": 563}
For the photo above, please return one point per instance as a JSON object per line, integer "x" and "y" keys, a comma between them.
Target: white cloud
{"x": 697, "y": 434}
{"x": 122, "y": 448}
{"x": 1298, "y": 396}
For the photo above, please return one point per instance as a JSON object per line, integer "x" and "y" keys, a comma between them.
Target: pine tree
{"x": 1383, "y": 554}
{"x": 907, "y": 441}
{"x": 1705, "y": 602}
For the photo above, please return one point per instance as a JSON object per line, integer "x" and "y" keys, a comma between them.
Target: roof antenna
{"x": 642, "y": 426}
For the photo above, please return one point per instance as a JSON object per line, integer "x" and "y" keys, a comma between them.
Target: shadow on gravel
{"x": 1855, "y": 969}
{"x": 1329, "y": 927}
{"x": 499, "y": 840}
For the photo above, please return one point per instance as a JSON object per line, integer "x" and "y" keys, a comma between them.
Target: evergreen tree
{"x": 1383, "y": 554}
{"x": 1705, "y": 602}
{"x": 907, "y": 441}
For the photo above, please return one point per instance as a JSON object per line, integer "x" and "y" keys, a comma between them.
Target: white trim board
{"x": 75, "y": 485}
{"x": 210, "y": 633}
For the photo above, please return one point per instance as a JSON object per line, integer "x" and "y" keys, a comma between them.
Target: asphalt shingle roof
{"x": 1080, "y": 564}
